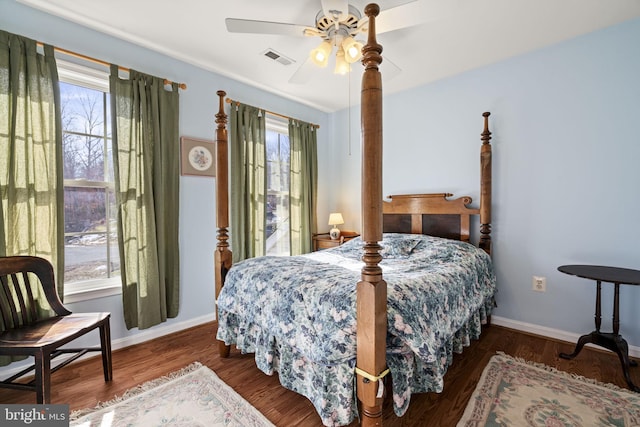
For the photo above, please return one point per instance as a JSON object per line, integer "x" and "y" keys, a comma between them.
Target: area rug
{"x": 191, "y": 397}
{"x": 512, "y": 392}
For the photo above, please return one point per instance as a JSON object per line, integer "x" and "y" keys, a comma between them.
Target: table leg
{"x": 585, "y": 339}
{"x": 616, "y": 309}
{"x": 622, "y": 349}
{"x": 598, "y": 316}
{"x": 613, "y": 342}
{"x": 593, "y": 336}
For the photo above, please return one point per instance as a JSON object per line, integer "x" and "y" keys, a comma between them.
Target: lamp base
{"x": 334, "y": 233}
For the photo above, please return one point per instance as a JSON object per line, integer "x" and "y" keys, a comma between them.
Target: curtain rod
{"x": 229, "y": 101}
{"x": 98, "y": 61}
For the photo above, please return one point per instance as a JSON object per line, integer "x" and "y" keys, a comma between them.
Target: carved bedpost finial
{"x": 372, "y": 51}
{"x": 486, "y": 135}
{"x": 221, "y": 117}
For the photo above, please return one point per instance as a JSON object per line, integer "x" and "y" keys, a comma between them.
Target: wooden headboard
{"x": 431, "y": 214}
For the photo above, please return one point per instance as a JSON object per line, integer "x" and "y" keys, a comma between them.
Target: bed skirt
{"x": 331, "y": 387}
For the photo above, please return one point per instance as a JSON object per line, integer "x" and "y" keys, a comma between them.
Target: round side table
{"x": 610, "y": 340}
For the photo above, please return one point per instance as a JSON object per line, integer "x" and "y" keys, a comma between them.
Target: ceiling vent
{"x": 272, "y": 54}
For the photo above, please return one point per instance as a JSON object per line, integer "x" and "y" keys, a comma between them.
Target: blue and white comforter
{"x": 298, "y": 315}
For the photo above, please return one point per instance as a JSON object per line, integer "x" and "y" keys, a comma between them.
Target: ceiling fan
{"x": 338, "y": 24}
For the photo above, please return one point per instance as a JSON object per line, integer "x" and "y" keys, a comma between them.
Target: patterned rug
{"x": 191, "y": 397}
{"x": 512, "y": 392}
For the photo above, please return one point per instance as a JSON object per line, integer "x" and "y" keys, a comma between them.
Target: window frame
{"x": 91, "y": 78}
{"x": 280, "y": 126}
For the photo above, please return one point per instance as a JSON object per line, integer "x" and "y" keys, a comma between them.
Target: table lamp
{"x": 335, "y": 219}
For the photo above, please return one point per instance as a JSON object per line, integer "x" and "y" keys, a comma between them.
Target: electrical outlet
{"x": 539, "y": 284}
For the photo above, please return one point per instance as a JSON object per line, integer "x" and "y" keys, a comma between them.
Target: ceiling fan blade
{"x": 304, "y": 73}
{"x": 388, "y": 69}
{"x": 265, "y": 27}
{"x": 336, "y": 7}
{"x": 415, "y": 13}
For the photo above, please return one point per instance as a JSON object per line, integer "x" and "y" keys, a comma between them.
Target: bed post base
{"x": 222, "y": 257}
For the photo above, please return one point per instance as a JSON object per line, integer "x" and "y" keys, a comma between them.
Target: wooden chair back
{"x": 24, "y": 279}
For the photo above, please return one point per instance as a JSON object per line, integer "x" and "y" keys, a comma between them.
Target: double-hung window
{"x": 278, "y": 165}
{"x": 92, "y": 264}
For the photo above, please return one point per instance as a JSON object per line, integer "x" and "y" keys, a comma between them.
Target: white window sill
{"x": 92, "y": 289}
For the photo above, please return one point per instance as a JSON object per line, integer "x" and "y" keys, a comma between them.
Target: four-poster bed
{"x": 331, "y": 329}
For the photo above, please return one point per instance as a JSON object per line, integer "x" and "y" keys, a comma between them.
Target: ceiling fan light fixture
{"x": 352, "y": 50}
{"x": 342, "y": 66}
{"x": 320, "y": 55}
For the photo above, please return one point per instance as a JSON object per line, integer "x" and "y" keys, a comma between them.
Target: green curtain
{"x": 304, "y": 183}
{"x": 146, "y": 143}
{"x": 31, "y": 183}
{"x": 248, "y": 182}
{"x": 31, "y": 186}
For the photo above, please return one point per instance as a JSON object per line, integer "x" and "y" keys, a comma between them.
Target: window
{"x": 92, "y": 264}
{"x": 278, "y": 226}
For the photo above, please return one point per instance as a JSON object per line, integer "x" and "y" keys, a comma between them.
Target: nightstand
{"x": 324, "y": 241}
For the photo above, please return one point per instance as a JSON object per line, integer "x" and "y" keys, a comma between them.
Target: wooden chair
{"x": 26, "y": 332}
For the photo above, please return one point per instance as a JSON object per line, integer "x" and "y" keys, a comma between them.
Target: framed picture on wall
{"x": 197, "y": 157}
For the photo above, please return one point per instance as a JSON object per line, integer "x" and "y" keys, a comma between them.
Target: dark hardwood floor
{"x": 82, "y": 385}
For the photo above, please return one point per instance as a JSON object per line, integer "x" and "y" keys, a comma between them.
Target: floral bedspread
{"x": 298, "y": 315}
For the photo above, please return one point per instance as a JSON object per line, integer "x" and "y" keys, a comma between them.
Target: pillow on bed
{"x": 398, "y": 245}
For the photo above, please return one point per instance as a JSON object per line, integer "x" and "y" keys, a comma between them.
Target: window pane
{"x": 91, "y": 247}
{"x": 83, "y": 157}
{"x": 278, "y": 227}
{"x": 83, "y": 110}
{"x": 278, "y": 224}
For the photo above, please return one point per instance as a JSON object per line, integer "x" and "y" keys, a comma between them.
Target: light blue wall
{"x": 198, "y": 106}
{"x": 566, "y": 144}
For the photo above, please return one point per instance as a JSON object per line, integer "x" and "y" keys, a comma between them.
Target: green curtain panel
{"x": 31, "y": 186}
{"x": 146, "y": 164}
{"x": 31, "y": 152}
{"x": 248, "y": 182}
{"x": 304, "y": 183}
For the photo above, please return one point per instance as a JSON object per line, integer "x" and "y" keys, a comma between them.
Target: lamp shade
{"x": 335, "y": 218}
{"x": 320, "y": 55}
{"x": 352, "y": 50}
{"x": 342, "y": 66}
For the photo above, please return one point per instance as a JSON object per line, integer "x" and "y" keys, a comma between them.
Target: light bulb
{"x": 352, "y": 49}
{"x": 320, "y": 55}
{"x": 342, "y": 66}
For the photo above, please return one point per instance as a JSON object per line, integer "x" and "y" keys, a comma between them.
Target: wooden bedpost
{"x": 222, "y": 258}
{"x": 372, "y": 289}
{"x": 485, "y": 187}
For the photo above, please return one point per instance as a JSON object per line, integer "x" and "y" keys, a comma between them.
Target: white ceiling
{"x": 456, "y": 36}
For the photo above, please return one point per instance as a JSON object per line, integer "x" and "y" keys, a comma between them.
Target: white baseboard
{"x": 549, "y": 332}
{"x": 159, "y": 331}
